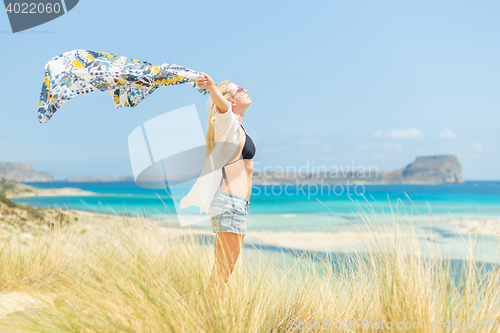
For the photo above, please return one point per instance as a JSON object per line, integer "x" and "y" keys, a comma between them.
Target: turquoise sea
{"x": 470, "y": 200}
{"x": 313, "y": 207}
{"x": 290, "y": 204}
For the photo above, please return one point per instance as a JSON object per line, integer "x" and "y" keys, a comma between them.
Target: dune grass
{"x": 126, "y": 276}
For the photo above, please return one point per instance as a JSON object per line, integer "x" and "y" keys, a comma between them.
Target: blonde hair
{"x": 212, "y": 109}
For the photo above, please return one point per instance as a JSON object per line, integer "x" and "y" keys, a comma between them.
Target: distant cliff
{"x": 443, "y": 169}
{"x": 23, "y": 172}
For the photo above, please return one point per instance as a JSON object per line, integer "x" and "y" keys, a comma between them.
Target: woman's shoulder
{"x": 227, "y": 128}
{"x": 225, "y": 113}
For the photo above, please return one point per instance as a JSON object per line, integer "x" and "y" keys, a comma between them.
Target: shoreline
{"x": 486, "y": 227}
{"x": 51, "y": 192}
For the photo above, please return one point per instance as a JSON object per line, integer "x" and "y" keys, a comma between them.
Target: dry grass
{"x": 124, "y": 276}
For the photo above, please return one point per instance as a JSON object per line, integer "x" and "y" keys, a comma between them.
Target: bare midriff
{"x": 239, "y": 175}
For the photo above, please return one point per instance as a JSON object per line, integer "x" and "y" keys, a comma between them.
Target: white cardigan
{"x": 227, "y": 133}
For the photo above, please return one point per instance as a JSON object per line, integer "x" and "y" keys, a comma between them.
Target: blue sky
{"x": 333, "y": 83}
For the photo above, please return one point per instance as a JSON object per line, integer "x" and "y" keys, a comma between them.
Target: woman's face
{"x": 241, "y": 97}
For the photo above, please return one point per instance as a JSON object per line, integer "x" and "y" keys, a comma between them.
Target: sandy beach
{"x": 326, "y": 241}
{"x": 312, "y": 241}
{"x": 55, "y": 192}
{"x": 484, "y": 227}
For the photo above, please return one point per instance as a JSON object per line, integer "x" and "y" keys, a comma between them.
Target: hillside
{"x": 23, "y": 172}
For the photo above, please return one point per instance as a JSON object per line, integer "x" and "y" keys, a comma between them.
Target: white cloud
{"x": 365, "y": 147}
{"x": 379, "y": 134}
{"x": 410, "y": 133}
{"x": 447, "y": 134}
{"x": 478, "y": 146}
{"x": 393, "y": 148}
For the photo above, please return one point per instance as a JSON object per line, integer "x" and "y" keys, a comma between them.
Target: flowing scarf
{"x": 128, "y": 81}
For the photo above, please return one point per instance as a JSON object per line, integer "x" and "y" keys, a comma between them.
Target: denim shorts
{"x": 229, "y": 212}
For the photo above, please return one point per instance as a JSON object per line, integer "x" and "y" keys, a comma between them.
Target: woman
{"x": 229, "y": 207}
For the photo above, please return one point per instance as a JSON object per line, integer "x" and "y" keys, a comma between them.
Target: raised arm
{"x": 207, "y": 83}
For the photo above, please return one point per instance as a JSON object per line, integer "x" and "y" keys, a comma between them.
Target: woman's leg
{"x": 226, "y": 251}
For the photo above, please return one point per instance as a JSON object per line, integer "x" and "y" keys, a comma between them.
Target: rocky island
{"x": 444, "y": 169}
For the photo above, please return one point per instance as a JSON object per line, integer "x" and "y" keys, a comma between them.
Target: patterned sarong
{"x": 128, "y": 81}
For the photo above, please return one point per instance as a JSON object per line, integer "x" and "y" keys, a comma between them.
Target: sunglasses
{"x": 240, "y": 89}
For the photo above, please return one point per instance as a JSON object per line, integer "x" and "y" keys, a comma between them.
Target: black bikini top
{"x": 248, "y": 151}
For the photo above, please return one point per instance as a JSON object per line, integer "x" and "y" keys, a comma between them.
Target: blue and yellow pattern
{"x": 128, "y": 81}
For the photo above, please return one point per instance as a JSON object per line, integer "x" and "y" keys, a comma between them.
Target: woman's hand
{"x": 205, "y": 82}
